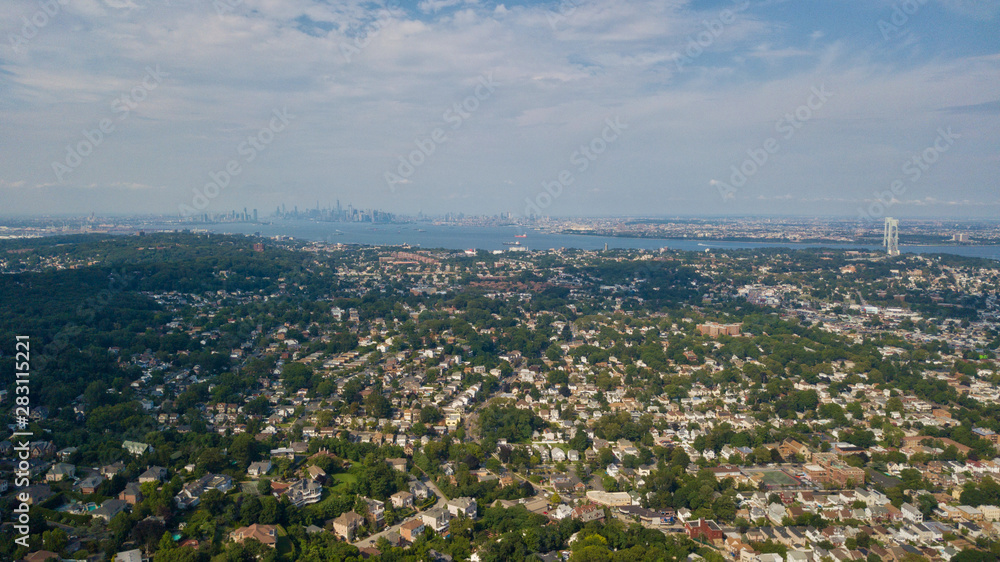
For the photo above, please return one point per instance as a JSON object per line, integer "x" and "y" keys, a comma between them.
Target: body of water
{"x": 492, "y": 238}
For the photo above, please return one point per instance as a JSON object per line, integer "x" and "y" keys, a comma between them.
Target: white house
{"x": 463, "y": 506}
{"x": 259, "y": 469}
{"x": 911, "y": 513}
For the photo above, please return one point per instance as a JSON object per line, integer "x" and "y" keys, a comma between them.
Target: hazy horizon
{"x": 269, "y": 216}
{"x": 688, "y": 108}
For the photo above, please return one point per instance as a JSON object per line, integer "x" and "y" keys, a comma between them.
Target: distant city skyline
{"x": 564, "y": 108}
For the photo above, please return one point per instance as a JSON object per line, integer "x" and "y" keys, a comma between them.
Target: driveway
{"x": 370, "y": 541}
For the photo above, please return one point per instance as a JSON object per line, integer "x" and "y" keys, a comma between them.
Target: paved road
{"x": 539, "y": 489}
{"x": 370, "y": 541}
{"x": 442, "y": 499}
{"x": 430, "y": 484}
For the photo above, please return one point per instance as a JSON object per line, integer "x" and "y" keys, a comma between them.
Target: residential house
{"x": 89, "y": 484}
{"x": 316, "y": 473}
{"x": 260, "y": 468}
{"x": 877, "y": 513}
{"x": 376, "y": 513}
{"x": 132, "y": 494}
{"x": 41, "y": 449}
{"x": 304, "y": 492}
{"x": 265, "y": 534}
{"x": 134, "y": 555}
{"x": 990, "y": 512}
{"x": 911, "y": 513}
{"x": 347, "y": 524}
{"x": 190, "y": 494}
{"x": 398, "y": 464}
{"x": 401, "y": 500}
{"x": 110, "y": 470}
{"x": 465, "y": 507}
{"x": 109, "y": 509}
{"x": 136, "y": 448}
{"x": 437, "y": 519}
{"x": 153, "y": 474}
{"x": 970, "y": 513}
{"x": 419, "y": 490}
{"x": 562, "y": 511}
{"x": 283, "y": 453}
{"x": 568, "y": 483}
{"x": 60, "y": 471}
{"x": 412, "y": 529}
{"x": 588, "y": 512}
{"x": 776, "y": 513}
{"x": 969, "y": 529}
{"x": 37, "y": 493}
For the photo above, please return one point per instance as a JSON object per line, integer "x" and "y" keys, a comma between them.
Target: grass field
{"x": 343, "y": 479}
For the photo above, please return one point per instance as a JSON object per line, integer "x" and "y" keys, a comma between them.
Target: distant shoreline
{"x": 491, "y": 238}
{"x": 863, "y": 242}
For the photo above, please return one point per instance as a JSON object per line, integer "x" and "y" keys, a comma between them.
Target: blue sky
{"x": 819, "y": 107}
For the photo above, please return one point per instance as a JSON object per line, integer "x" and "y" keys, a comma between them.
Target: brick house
{"x": 708, "y": 529}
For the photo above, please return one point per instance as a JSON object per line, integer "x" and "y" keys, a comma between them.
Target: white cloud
{"x": 432, "y": 6}
{"x": 556, "y": 82}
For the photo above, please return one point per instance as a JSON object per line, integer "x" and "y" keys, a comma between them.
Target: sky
{"x": 566, "y": 108}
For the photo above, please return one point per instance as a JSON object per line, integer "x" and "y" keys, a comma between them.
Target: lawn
{"x": 284, "y": 544}
{"x": 344, "y": 479}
